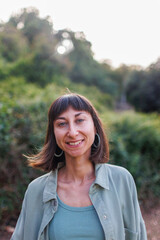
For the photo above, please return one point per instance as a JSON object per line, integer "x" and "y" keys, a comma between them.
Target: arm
{"x": 142, "y": 235}
{"x": 19, "y": 229}
{"x": 133, "y": 220}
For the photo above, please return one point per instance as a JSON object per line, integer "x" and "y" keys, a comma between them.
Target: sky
{"x": 121, "y": 31}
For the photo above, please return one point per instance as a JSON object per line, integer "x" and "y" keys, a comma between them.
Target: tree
{"x": 13, "y": 44}
{"x": 82, "y": 65}
{"x": 41, "y": 62}
{"x": 31, "y": 25}
{"x": 143, "y": 90}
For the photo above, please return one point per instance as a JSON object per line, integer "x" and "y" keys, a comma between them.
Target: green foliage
{"x": 135, "y": 144}
{"x": 12, "y": 43}
{"x": 143, "y": 90}
{"x": 31, "y": 25}
{"x": 4, "y": 69}
{"x": 33, "y": 74}
{"x": 134, "y": 138}
{"x": 83, "y": 67}
{"x": 5, "y": 139}
{"x": 23, "y": 123}
{"x": 29, "y": 48}
{"x": 31, "y": 44}
{"x": 36, "y": 69}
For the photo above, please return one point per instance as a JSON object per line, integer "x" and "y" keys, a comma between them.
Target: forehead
{"x": 70, "y": 111}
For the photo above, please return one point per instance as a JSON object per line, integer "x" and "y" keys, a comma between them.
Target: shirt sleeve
{"x": 18, "y": 233}
{"x": 132, "y": 212}
{"x": 142, "y": 235}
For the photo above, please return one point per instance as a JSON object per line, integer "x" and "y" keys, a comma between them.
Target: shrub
{"x": 135, "y": 144}
{"x": 23, "y": 125}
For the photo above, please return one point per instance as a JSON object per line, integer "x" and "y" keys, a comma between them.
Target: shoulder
{"x": 122, "y": 178}
{"x": 37, "y": 186}
{"x": 118, "y": 171}
{"x": 117, "y": 174}
{"x": 39, "y": 182}
{"x": 113, "y": 169}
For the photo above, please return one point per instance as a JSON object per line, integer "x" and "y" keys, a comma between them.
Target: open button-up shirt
{"x": 113, "y": 195}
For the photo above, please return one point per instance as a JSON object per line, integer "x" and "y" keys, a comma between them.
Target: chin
{"x": 79, "y": 154}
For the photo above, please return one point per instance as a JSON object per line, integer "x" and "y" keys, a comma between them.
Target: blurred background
{"x": 108, "y": 52}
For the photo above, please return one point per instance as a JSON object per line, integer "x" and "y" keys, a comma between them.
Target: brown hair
{"x": 46, "y": 158}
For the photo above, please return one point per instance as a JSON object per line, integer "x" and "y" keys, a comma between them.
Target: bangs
{"x": 77, "y": 102}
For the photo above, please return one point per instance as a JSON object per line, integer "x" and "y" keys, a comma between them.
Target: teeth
{"x": 75, "y": 143}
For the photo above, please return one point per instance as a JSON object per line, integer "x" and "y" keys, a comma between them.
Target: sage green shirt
{"x": 113, "y": 195}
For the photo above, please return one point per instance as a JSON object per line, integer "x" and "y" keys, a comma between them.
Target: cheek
{"x": 59, "y": 141}
{"x": 92, "y": 128}
{"x": 93, "y": 136}
{"x": 91, "y": 131}
{"x": 57, "y": 135}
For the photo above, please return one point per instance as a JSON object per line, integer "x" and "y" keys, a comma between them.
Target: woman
{"x": 82, "y": 196}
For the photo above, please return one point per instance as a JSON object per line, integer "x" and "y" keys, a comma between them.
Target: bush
{"x": 17, "y": 135}
{"x": 134, "y": 138}
{"x": 142, "y": 90}
{"x": 23, "y": 125}
{"x": 135, "y": 144}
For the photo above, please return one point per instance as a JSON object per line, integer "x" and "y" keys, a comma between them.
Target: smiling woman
{"x": 68, "y": 112}
{"x": 83, "y": 197}
{"x": 74, "y": 132}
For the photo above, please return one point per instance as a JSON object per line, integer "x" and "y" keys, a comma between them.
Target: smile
{"x": 74, "y": 143}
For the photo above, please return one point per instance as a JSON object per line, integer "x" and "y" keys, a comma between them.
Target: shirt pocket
{"x": 129, "y": 235}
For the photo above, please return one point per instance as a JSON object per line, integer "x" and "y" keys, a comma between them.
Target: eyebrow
{"x": 76, "y": 115}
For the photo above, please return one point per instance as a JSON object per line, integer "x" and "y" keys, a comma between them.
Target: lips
{"x": 74, "y": 143}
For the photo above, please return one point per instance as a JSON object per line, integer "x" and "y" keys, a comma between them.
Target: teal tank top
{"x": 75, "y": 223}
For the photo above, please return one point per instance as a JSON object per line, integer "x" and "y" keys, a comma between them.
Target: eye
{"x": 80, "y": 120}
{"x": 61, "y": 124}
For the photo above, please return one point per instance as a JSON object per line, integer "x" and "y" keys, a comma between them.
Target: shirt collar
{"x": 50, "y": 189}
{"x": 102, "y": 175}
{"x": 51, "y": 185}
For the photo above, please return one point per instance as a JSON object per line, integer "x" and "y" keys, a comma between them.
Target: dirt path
{"x": 152, "y": 221}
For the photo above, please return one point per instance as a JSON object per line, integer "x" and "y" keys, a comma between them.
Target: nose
{"x": 72, "y": 131}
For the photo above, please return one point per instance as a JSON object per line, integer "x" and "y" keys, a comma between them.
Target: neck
{"x": 78, "y": 170}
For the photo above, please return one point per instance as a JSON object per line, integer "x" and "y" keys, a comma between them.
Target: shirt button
{"x": 104, "y": 216}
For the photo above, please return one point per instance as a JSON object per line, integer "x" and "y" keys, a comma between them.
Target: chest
{"x": 75, "y": 223}
{"x": 74, "y": 195}
{"x": 105, "y": 204}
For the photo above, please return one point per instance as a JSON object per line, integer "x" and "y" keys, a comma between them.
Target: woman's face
{"x": 74, "y": 132}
